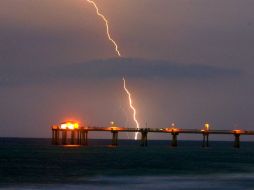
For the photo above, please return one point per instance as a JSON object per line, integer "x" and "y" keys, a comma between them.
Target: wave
{"x": 206, "y": 182}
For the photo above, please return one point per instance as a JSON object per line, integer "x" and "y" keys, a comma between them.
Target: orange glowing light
{"x": 172, "y": 129}
{"x": 132, "y": 107}
{"x": 54, "y": 127}
{"x": 114, "y": 127}
{"x": 71, "y": 146}
{"x": 69, "y": 125}
{"x": 238, "y": 131}
{"x": 207, "y": 127}
{"x": 107, "y": 26}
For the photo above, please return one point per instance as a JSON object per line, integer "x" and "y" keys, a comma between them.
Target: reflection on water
{"x": 71, "y": 146}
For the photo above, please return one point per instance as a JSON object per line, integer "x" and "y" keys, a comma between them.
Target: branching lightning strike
{"x": 107, "y": 26}
{"x": 119, "y": 55}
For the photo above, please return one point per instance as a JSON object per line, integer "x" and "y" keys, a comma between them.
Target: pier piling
{"x": 72, "y": 137}
{"x": 114, "y": 138}
{"x": 64, "y": 137}
{"x": 55, "y": 135}
{"x": 174, "y": 139}
{"x": 144, "y": 133}
{"x": 237, "y": 141}
{"x": 84, "y": 137}
{"x": 205, "y": 139}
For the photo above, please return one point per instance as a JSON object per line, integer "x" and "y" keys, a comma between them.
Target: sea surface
{"x": 36, "y": 164}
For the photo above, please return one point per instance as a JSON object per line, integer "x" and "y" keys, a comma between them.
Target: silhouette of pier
{"x": 73, "y": 134}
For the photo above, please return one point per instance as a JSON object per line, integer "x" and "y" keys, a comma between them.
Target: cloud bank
{"x": 107, "y": 69}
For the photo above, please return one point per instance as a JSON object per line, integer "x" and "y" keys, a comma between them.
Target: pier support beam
{"x": 174, "y": 139}
{"x": 205, "y": 139}
{"x": 237, "y": 141}
{"x": 78, "y": 140}
{"x": 64, "y": 137}
{"x": 84, "y": 138}
{"x": 55, "y": 136}
{"x": 144, "y": 133}
{"x": 114, "y": 138}
{"x": 72, "y": 137}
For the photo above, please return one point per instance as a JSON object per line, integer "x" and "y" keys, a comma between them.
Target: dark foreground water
{"x": 36, "y": 164}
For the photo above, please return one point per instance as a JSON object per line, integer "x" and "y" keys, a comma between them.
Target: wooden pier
{"x": 72, "y": 134}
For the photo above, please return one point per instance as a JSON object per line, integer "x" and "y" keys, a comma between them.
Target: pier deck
{"x": 79, "y": 135}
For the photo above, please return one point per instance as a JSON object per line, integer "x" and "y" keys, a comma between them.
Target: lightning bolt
{"x": 107, "y": 26}
{"x": 132, "y": 107}
{"x": 119, "y": 55}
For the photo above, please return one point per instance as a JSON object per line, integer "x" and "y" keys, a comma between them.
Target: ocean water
{"x": 36, "y": 164}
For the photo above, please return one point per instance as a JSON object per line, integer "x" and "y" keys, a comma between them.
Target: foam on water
{"x": 210, "y": 182}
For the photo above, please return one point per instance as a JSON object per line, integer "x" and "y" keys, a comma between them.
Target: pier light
{"x": 206, "y": 127}
{"x": 113, "y": 127}
{"x": 171, "y": 129}
{"x": 55, "y": 127}
{"x": 63, "y": 126}
{"x": 69, "y": 125}
{"x": 238, "y": 131}
{"x": 174, "y": 128}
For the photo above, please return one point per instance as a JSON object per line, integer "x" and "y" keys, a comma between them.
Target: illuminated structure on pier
{"x": 72, "y": 133}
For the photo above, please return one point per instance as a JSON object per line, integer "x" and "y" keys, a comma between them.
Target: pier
{"x": 71, "y": 133}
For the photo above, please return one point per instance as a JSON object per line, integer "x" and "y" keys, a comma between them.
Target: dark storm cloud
{"x": 111, "y": 68}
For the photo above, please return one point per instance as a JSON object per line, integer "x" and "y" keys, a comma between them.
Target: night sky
{"x": 185, "y": 61}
